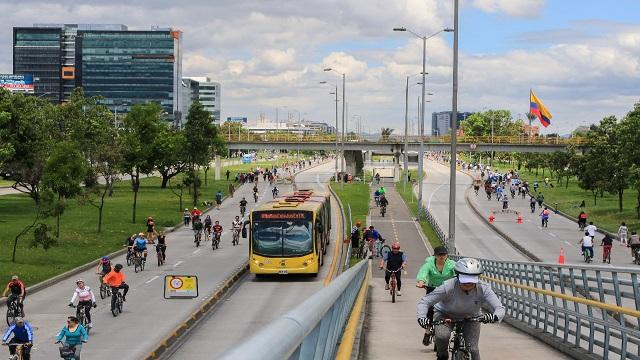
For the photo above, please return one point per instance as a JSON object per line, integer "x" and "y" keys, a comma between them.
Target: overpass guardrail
{"x": 586, "y": 311}
{"x": 313, "y": 329}
{"x": 331, "y": 138}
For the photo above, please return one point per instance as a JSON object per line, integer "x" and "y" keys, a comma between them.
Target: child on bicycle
{"x": 587, "y": 244}
{"x": 607, "y": 244}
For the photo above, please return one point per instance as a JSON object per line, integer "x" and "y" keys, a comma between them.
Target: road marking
{"x": 153, "y": 278}
{"x": 178, "y": 263}
{"x": 433, "y": 193}
{"x": 552, "y": 234}
{"x": 197, "y": 251}
{"x": 394, "y": 221}
{"x": 568, "y": 243}
{"x": 336, "y": 243}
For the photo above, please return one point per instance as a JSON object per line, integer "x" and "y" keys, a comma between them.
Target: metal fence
{"x": 347, "y": 260}
{"x": 591, "y": 308}
{"x": 425, "y": 214}
{"x": 311, "y": 330}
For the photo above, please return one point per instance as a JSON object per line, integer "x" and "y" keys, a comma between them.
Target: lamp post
{"x": 421, "y": 127}
{"x": 343, "y": 113}
{"x": 336, "y": 101}
{"x": 454, "y": 113}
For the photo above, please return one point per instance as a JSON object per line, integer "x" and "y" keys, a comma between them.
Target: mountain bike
{"x": 197, "y": 235}
{"x": 105, "y": 290}
{"x": 82, "y": 317}
{"x": 139, "y": 261}
{"x": 457, "y": 345}
{"x": 129, "y": 256}
{"x": 393, "y": 283}
{"x": 19, "y": 349}
{"x": 215, "y": 241}
{"x": 382, "y": 250}
{"x": 116, "y": 302}
{"x": 160, "y": 248}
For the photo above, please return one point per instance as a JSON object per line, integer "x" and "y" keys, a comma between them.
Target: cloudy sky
{"x": 582, "y": 57}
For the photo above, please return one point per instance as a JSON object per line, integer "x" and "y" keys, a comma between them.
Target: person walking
{"x": 623, "y": 231}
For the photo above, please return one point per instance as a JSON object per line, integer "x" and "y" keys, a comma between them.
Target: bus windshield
{"x": 282, "y": 238}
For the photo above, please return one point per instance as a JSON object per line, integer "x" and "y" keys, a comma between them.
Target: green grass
{"x": 411, "y": 201}
{"x": 605, "y": 214}
{"x": 79, "y": 241}
{"x": 355, "y": 195}
{"x": 4, "y": 183}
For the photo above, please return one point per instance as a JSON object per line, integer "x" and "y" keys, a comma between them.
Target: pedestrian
{"x": 231, "y": 189}
{"x": 186, "y": 217}
{"x": 218, "y": 199}
{"x": 228, "y": 173}
{"x": 622, "y": 233}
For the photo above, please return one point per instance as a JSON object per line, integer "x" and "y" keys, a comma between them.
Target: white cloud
{"x": 519, "y": 8}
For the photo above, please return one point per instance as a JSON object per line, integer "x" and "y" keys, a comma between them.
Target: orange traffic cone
{"x": 561, "y": 256}
{"x": 519, "y": 218}
{"x": 491, "y": 218}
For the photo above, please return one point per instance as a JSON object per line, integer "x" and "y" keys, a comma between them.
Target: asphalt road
{"x": 148, "y": 317}
{"x": 255, "y": 302}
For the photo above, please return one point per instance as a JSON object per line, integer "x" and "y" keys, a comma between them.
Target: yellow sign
{"x": 180, "y": 286}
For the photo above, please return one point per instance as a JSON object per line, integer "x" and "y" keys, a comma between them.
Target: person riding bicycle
{"x": 218, "y": 199}
{"x": 74, "y": 335}
{"x": 505, "y": 202}
{"x": 591, "y": 229}
{"x": 355, "y": 237}
{"x": 382, "y": 190}
{"x": 236, "y": 225}
{"x": 587, "y": 244}
{"x": 243, "y": 205}
{"x": 607, "y": 245}
{"x": 435, "y": 270}
{"x": 86, "y": 299}
{"x": 540, "y": 199}
{"x": 634, "y": 244}
{"x": 208, "y": 223}
{"x": 394, "y": 261}
{"x": 217, "y": 229}
{"x": 161, "y": 248}
{"x": 532, "y": 203}
{"x": 195, "y": 215}
{"x": 582, "y": 220}
{"x": 17, "y": 292}
{"x": 371, "y": 236}
{"x": 457, "y": 299}
{"x": 383, "y": 201}
{"x": 22, "y": 334}
{"x": 377, "y": 177}
{"x": 104, "y": 267}
{"x": 376, "y": 197}
{"x": 544, "y": 215}
{"x": 115, "y": 280}
{"x": 197, "y": 228}
{"x": 140, "y": 246}
{"x": 274, "y": 191}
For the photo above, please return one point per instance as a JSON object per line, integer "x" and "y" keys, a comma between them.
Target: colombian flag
{"x": 539, "y": 110}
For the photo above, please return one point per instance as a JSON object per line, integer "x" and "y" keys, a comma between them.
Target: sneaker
{"x": 426, "y": 340}
{"x": 89, "y": 325}
{"x": 124, "y": 299}
{"x": 386, "y": 287}
{"x": 398, "y": 293}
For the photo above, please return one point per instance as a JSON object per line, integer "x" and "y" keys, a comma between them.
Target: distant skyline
{"x": 581, "y": 57}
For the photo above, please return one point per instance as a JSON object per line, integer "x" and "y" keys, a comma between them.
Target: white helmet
{"x": 468, "y": 266}
{"x": 79, "y": 281}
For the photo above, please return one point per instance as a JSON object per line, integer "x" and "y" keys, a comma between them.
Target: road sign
{"x": 473, "y": 146}
{"x": 180, "y": 286}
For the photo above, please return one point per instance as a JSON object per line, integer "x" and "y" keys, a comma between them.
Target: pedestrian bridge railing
{"x": 313, "y": 329}
{"x": 587, "y": 311}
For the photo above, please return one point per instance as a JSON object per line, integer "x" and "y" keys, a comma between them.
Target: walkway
{"x": 392, "y": 328}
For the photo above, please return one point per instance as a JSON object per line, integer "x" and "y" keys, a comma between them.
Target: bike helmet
{"x": 79, "y": 281}
{"x": 141, "y": 234}
{"x": 468, "y": 266}
{"x": 118, "y": 267}
{"x": 14, "y": 277}
{"x": 105, "y": 259}
{"x": 395, "y": 246}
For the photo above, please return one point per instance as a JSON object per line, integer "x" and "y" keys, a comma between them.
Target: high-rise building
{"x": 207, "y": 92}
{"x": 124, "y": 67}
{"x": 441, "y": 122}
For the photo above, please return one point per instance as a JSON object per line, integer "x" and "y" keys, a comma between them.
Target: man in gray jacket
{"x": 457, "y": 299}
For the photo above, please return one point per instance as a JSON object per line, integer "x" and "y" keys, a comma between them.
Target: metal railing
{"x": 331, "y": 138}
{"x": 347, "y": 260}
{"x": 311, "y": 330}
{"x": 595, "y": 309}
{"x": 425, "y": 213}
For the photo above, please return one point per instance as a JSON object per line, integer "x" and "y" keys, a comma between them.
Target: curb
{"x": 344, "y": 225}
{"x": 197, "y": 316}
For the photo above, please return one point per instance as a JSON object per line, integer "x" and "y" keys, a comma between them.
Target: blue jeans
{"x": 589, "y": 248}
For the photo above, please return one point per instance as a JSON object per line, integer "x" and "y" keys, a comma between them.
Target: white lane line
{"x": 153, "y": 278}
{"x": 178, "y": 263}
{"x": 433, "y": 193}
{"x": 568, "y": 243}
{"x": 197, "y": 251}
{"x": 552, "y": 234}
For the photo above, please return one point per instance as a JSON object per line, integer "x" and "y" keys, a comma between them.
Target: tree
{"x": 169, "y": 149}
{"x": 200, "y": 135}
{"x": 385, "y": 133}
{"x": 6, "y": 148}
{"x": 629, "y": 134}
{"x": 141, "y": 126}
{"x": 63, "y": 173}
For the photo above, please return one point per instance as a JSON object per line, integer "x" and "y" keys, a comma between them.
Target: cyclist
{"x": 587, "y": 244}
{"x": 255, "y": 192}
{"x": 115, "y": 280}
{"x": 195, "y": 214}
{"x": 591, "y": 229}
{"x": 274, "y": 191}
{"x": 218, "y": 199}
{"x": 376, "y": 197}
{"x": 540, "y": 199}
{"x": 435, "y": 270}
{"x": 545, "y": 217}
{"x": 457, "y": 299}
{"x": 104, "y": 267}
{"x": 383, "y": 201}
{"x": 217, "y": 230}
{"x": 236, "y": 225}
{"x": 382, "y": 190}
{"x": 394, "y": 261}
{"x": 186, "y": 217}
{"x": 207, "y": 226}
{"x": 17, "y": 292}
{"x": 161, "y": 248}
{"x": 505, "y": 202}
{"x": 607, "y": 244}
{"x": 22, "y": 334}
{"x": 151, "y": 228}
{"x": 582, "y": 220}
{"x": 532, "y": 204}
{"x": 140, "y": 246}
{"x": 197, "y": 228}
{"x": 128, "y": 242}
{"x": 377, "y": 176}
{"x": 355, "y": 237}
{"x": 371, "y": 236}
{"x": 86, "y": 299}
{"x": 75, "y": 335}
{"x": 243, "y": 206}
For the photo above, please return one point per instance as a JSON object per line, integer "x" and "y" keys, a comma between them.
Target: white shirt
{"x": 586, "y": 241}
{"x": 591, "y": 229}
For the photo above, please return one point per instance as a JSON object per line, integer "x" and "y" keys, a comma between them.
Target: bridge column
{"x": 353, "y": 162}
{"x": 218, "y": 167}
{"x": 396, "y": 167}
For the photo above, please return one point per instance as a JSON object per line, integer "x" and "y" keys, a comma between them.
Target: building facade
{"x": 124, "y": 67}
{"x": 207, "y": 92}
{"x": 441, "y": 122}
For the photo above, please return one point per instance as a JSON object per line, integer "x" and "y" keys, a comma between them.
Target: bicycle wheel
{"x": 103, "y": 292}
{"x": 393, "y": 293}
{"x": 458, "y": 354}
{"x": 11, "y": 314}
{"x": 120, "y": 303}
{"x": 136, "y": 265}
{"x": 142, "y": 262}
{"x": 114, "y": 307}
{"x": 129, "y": 260}
{"x": 384, "y": 250}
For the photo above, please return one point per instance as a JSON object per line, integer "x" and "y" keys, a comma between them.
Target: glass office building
{"x": 124, "y": 67}
{"x": 37, "y": 52}
{"x": 207, "y": 92}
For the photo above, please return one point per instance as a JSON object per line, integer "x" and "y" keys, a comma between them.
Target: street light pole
{"x": 336, "y": 129}
{"x": 406, "y": 134}
{"x": 454, "y": 113}
{"x": 342, "y": 167}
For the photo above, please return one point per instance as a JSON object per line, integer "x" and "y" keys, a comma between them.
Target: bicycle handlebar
{"x": 479, "y": 319}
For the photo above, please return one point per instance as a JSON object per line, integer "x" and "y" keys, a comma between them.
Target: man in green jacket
{"x": 435, "y": 270}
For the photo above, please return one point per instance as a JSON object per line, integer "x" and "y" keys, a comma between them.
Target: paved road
{"x": 392, "y": 328}
{"x": 147, "y": 317}
{"x": 256, "y": 302}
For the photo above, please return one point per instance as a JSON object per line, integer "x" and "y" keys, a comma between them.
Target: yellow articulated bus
{"x": 290, "y": 234}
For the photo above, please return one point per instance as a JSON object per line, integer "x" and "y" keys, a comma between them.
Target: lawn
{"x": 411, "y": 201}
{"x": 79, "y": 240}
{"x": 355, "y": 195}
{"x": 5, "y": 183}
{"x": 605, "y": 213}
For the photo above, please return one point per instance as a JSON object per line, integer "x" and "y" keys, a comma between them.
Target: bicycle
{"x": 13, "y": 311}
{"x": 606, "y": 253}
{"x": 82, "y": 317}
{"x": 587, "y": 255}
{"x": 138, "y": 261}
{"x": 68, "y": 352}
{"x": 116, "y": 302}
{"x": 105, "y": 290}
{"x": 457, "y": 344}
{"x": 19, "y": 350}
{"x": 377, "y": 200}
{"x": 129, "y": 256}
{"x": 383, "y": 210}
{"x": 197, "y": 237}
{"x": 545, "y": 222}
{"x": 215, "y": 241}
{"x": 236, "y": 237}
{"x": 255, "y": 197}
{"x": 393, "y": 283}
{"x": 582, "y": 225}
{"x": 382, "y": 250}
{"x": 243, "y": 209}
{"x": 159, "y": 252}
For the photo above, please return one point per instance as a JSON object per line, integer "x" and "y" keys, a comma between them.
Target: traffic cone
{"x": 492, "y": 217}
{"x": 561, "y": 256}
{"x": 519, "y": 218}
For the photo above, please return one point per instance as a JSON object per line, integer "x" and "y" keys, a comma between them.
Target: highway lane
{"x": 147, "y": 317}
{"x": 255, "y": 302}
{"x": 473, "y": 236}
